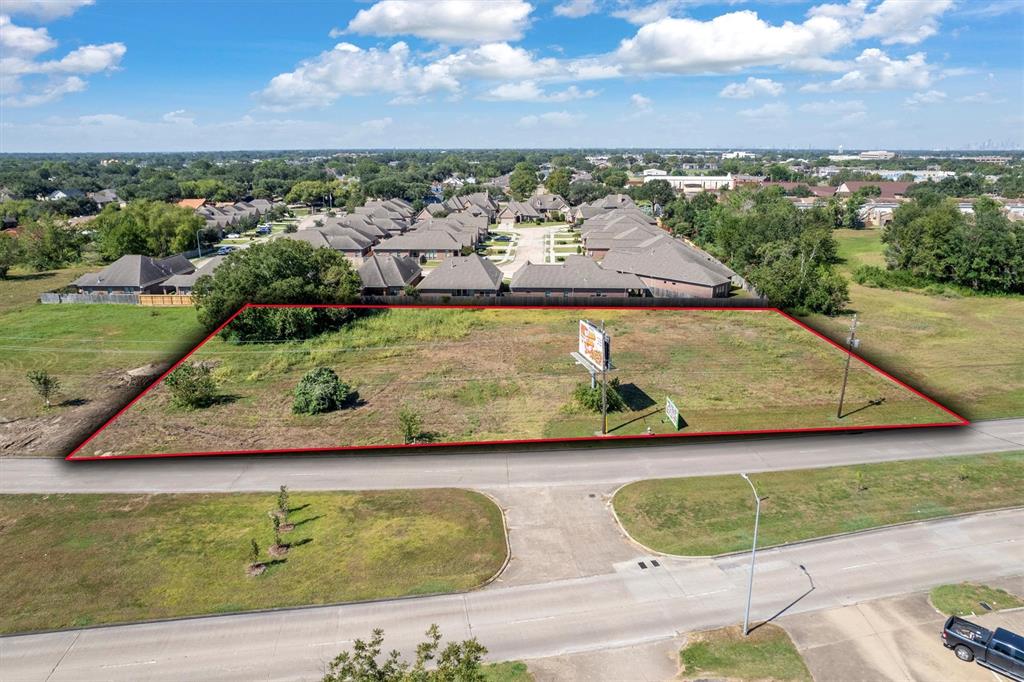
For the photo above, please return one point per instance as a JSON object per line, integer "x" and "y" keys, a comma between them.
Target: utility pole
{"x": 851, "y": 343}
{"x": 753, "y": 555}
{"x": 604, "y": 391}
{"x": 199, "y": 246}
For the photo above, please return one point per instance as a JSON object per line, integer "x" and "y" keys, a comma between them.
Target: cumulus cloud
{"x": 446, "y": 21}
{"x": 873, "y": 69}
{"x": 558, "y": 119}
{"x": 47, "y": 80}
{"x": 574, "y": 9}
{"x": 929, "y": 97}
{"x": 498, "y": 61}
{"x": 350, "y": 70}
{"x": 903, "y": 21}
{"x": 773, "y": 110}
{"x": 726, "y": 43}
{"x": 377, "y": 124}
{"x": 752, "y": 87}
{"x": 646, "y": 13}
{"x": 640, "y": 102}
{"x": 529, "y": 91}
{"x": 178, "y": 116}
{"x": 45, "y": 10}
{"x": 833, "y": 107}
{"x": 981, "y": 98}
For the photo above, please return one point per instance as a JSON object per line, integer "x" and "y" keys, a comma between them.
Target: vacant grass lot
{"x": 75, "y": 560}
{"x": 712, "y": 515}
{"x": 964, "y": 599}
{"x": 766, "y": 654}
{"x": 479, "y": 375}
{"x": 961, "y": 350}
{"x": 87, "y": 347}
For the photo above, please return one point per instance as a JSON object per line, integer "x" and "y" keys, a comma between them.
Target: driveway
{"x": 530, "y": 247}
{"x": 890, "y": 639}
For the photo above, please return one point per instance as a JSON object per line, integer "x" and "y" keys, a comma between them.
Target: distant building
{"x": 463, "y": 276}
{"x": 133, "y": 275}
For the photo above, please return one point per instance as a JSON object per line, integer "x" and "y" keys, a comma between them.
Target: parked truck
{"x": 999, "y": 650}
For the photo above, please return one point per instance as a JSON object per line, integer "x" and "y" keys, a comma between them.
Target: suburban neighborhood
{"x": 512, "y": 341}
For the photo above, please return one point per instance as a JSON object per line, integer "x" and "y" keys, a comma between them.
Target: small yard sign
{"x": 672, "y": 412}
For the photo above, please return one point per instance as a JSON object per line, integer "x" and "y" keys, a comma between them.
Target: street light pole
{"x": 753, "y": 556}
{"x": 851, "y": 343}
{"x": 199, "y": 246}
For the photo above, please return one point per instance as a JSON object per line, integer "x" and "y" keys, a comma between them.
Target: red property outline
{"x": 959, "y": 420}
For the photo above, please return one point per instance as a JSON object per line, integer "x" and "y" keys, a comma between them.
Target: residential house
{"x": 60, "y": 194}
{"x": 184, "y": 283}
{"x": 518, "y": 212}
{"x": 388, "y": 275}
{"x": 576, "y": 276}
{"x": 550, "y": 206}
{"x": 422, "y": 244}
{"x": 347, "y": 241}
{"x": 105, "y": 197}
{"x": 877, "y": 213}
{"x": 478, "y": 203}
{"x": 133, "y": 274}
{"x": 431, "y": 211}
{"x": 471, "y": 275}
{"x": 502, "y": 182}
{"x": 192, "y": 203}
{"x": 670, "y": 268}
{"x": 818, "y": 191}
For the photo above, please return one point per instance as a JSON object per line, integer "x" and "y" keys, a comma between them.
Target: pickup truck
{"x": 999, "y": 650}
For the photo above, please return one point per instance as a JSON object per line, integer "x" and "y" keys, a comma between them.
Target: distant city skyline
{"x": 116, "y": 76}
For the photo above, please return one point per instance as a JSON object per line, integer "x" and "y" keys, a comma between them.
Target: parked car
{"x": 225, "y": 250}
{"x": 999, "y": 649}
{"x": 234, "y": 235}
{"x": 263, "y": 229}
{"x": 502, "y": 238}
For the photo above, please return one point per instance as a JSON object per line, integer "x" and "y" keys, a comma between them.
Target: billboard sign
{"x": 595, "y": 346}
{"x": 672, "y": 412}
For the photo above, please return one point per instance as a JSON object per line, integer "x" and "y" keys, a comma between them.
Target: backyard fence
{"x": 55, "y": 297}
{"x": 160, "y": 300}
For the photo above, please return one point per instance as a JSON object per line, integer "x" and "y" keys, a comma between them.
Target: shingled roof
{"x": 575, "y": 273}
{"x": 463, "y": 273}
{"x": 387, "y": 271}
{"x": 134, "y": 271}
{"x": 666, "y": 258}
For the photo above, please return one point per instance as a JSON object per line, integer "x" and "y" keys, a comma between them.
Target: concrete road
{"x": 484, "y": 469}
{"x": 529, "y": 248}
{"x": 890, "y": 639}
{"x": 628, "y": 607}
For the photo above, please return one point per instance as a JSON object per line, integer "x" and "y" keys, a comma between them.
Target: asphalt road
{"x": 483, "y": 468}
{"x": 628, "y": 606}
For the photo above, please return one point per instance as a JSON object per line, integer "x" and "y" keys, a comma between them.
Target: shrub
{"x": 192, "y": 386}
{"x": 590, "y": 398}
{"x": 319, "y": 391}
{"x": 410, "y": 425}
{"x": 46, "y": 384}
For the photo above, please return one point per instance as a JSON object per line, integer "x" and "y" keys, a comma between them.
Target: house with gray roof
{"x": 133, "y": 274}
{"x": 424, "y": 244}
{"x": 478, "y": 203}
{"x": 462, "y": 276}
{"x": 104, "y": 197}
{"x": 388, "y": 275}
{"x": 182, "y": 284}
{"x": 576, "y": 276}
{"x": 550, "y": 205}
{"x": 670, "y": 268}
{"x": 518, "y": 212}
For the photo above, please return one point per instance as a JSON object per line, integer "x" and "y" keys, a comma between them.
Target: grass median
{"x": 714, "y": 514}
{"x": 965, "y": 599}
{"x": 78, "y": 560}
{"x": 767, "y": 654}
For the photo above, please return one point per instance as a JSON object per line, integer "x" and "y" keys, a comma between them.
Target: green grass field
{"x": 958, "y": 349}
{"x": 512, "y": 671}
{"x": 712, "y": 515}
{"x": 767, "y": 654}
{"x": 87, "y": 347}
{"x": 964, "y": 599}
{"x": 76, "y": 560}
{"x": 484, "y": 375}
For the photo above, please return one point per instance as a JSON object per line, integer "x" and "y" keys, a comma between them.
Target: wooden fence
{"x": 160, "y": 300}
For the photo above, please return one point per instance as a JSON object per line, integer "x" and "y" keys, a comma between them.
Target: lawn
{"x": 501, "y": 374}
{"x": 513, "y": 671}
{"x": 958, "y": 349}
{"x": 714, "y": 514}
{"x": 87, "y": 347}
{"x": 76, "y": 560}
{"x": 766, "y": 654}
{"x": 964, "y": 599}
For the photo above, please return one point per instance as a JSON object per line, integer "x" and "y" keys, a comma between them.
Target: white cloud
{"x": 377, "y": 124}
{"x": 752, "y": 87}
{"x": 45, "y": 10}
{"x": 727, "y": 43}
{"x": 647, "y": 13}
{"x": 350, "y": 70}
{"x": 981, "y": 98}
{"x": 558, "y": 119}
{"x": 772, "y": 110}
{"x": 179, "y": 116}
{"x": 529, "y": 91}
{"x": 640, "y": 102}
{"x": 446, "y": 21}
{"x": 929, "y": 97}
{"x": 903, "y": 21}
{"x": 833, "y": 107}
{"x": 21, "y": 48}
{"x": 498, "y": 61}
{"x": 50, "y": 91}
{"x": 574, "y": 9}
{"x": 875, "y": 70}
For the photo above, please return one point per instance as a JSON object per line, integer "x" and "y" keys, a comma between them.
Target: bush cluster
{"x": 319, "y": 391}
{"x": 192, "y": 386}
{"x": 590, "y": 398}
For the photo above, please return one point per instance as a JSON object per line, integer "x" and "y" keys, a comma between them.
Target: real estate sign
{"x": 595, "y": 345}
{"x": 672, "y": 412}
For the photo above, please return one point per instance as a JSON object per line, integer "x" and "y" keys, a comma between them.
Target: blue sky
{"x": 104, "y": 75}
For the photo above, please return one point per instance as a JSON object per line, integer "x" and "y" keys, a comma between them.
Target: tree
{"x": 614, "y": 178}
{"x": 585, "y": 191}
{"x": 657, "y": 192}
{"x": 320, "y": 390}
{"x": 283, "y": 503}
{"x": 410, "y": 424}
{"x": 192, "y": 386}
{"x": 148, "y": 228}
{"x": 46, "y": 384}
{"x": 45, "y": 244}
{"x": 558, "y": 181}
{"x": 591, "y": 399}
{"x": 523, "y": 181}
{"x": 255, "y": 566}
{"x": 278, "y": 271}
{"x": 457, "y": 662}
{"x": 10, "y": 253}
